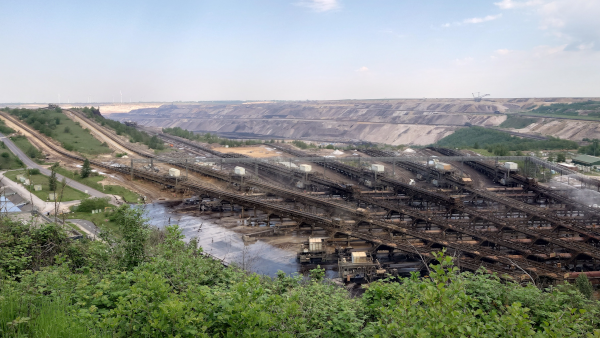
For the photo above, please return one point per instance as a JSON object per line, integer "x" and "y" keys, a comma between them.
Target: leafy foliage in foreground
{"x": 149, "y": 283}
{"x": 486, "y": 138}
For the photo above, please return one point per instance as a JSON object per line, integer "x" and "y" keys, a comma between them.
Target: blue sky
{"x": 297, "y": 49}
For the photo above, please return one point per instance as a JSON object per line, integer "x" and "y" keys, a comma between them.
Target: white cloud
{"x": 574, "y": 22}
{"x": 509, "y": 4}
{"x": 503, "y": 51}
{"x": 362, "y": 69}
{"x": 473, "y": 20}
{"x": 320, "y": 5}
{"x": 484, "y": 19}
{"x": 464, "y": 62}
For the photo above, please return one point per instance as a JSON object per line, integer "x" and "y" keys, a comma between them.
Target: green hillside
{"x": 53, "y": 123}
{"x": 483, "y": 138}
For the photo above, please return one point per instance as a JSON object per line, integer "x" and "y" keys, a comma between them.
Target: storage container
{"x": 359, "y": 257}
{"x": 315, "y": 244}
{"x": 305, "y": 168}
{"x": 378, "y": 168}
{"x": 239, "y": 170}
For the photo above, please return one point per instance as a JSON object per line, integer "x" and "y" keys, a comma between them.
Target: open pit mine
{"x": 395, "y": 122}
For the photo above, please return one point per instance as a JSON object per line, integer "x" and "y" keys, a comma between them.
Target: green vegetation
{"x": 68, "y": 194}
{"x": 135, "y": 135}
{"x": 86, "y": 170}
{"x": 4, "y": 129}
{"x": 48, "y": 121}
{"x": 591, "y": 149}
{"x": 8, "y": 160}
{"x": 209, "y": 138}
{"x": 500, "y": 142}
{"x": 92, "y": 182}
{"x": 303, "y": 145}
{"x": 589, "y": 108}
{"x": 516, "y": 122}
{"x": 143, "y": 282}
{"x": 89, "y": 204}
{"x": 52, "y": 180}
{"x": 32, "y": 152}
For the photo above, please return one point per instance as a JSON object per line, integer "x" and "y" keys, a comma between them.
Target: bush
{"x": 89, "y": 204}
{"x": 33, "y": 153}
{"x": 33, "y": 171}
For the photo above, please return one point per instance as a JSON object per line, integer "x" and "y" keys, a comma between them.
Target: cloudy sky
{"x": 297, "y": 49}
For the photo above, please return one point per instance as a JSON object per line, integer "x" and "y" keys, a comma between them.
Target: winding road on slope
{"x": 31, "y": 164}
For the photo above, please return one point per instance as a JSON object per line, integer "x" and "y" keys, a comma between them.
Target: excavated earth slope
{"x": 395, "y": 122}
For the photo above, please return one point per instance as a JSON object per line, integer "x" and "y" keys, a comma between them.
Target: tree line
{"x": 499, "y": 142}
{"x": 39, "y": 119}
{"x": 591, "y": 108}
{"x": 209, "y": 138}
{"x": 135, "y": 135}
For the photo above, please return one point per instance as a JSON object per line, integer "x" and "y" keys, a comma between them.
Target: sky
{"x": 102, "y": 51}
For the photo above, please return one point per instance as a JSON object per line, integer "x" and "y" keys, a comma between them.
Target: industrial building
{"x": 586, "y": 160}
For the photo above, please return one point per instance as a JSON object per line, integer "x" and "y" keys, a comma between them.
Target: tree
{"x": 86, "y": 170}
{"x": 32, "y": 152}
{"x": 67, "y": 130}
{"x": 561, "y": 158}
{"x": 584, "y": 286}
{"x": 134, "y": 231}
{"x": 52, "y": 179}
{"x": 476, "y": 145}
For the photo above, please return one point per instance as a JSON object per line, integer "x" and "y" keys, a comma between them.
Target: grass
{"x": 32, "y": 152}
{"x": 22, "y": 316}
{"x": 8, "y": 160}
{"x": 570, "y": 117}
{"x": 69, "y": 194}
{"x": 68, "y": 132}
{"x": 163, "y": 151}
{"x": 97, "y": 219}
{"x": 516, "y": 122}
{"x": 92, "y": 182}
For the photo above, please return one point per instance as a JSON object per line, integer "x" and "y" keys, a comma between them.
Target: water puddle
{"x": 224, "y": 243}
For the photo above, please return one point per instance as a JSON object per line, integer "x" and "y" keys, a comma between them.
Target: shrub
{"x": 33, "y": 171}
{"x": 89, "y": 204}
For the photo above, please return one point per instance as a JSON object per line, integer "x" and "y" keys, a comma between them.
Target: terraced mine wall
{"x": 395, "y": 122}
{"x": 407, "y": 121}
